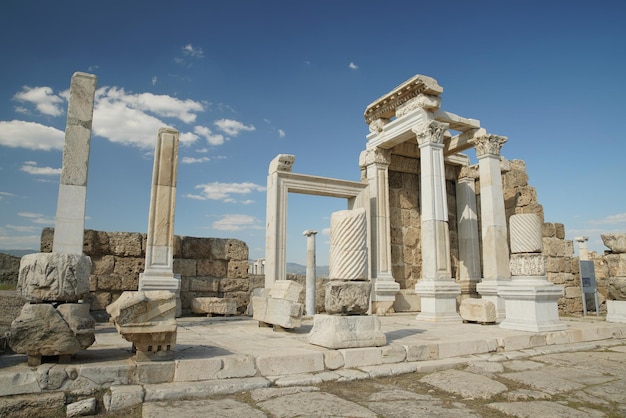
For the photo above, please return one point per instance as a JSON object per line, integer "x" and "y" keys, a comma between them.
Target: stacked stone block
{"x": 616, "y": 284}
{"x": 209, "y": 267}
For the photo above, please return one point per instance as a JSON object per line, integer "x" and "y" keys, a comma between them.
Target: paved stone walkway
{"x": 572, "y": 380}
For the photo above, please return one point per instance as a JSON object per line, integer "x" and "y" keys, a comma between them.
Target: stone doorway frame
{"x": 280, "y": 182}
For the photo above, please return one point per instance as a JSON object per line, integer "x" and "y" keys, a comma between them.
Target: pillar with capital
{"x": 376, "y": 162}
{"x": 436, "y": 288}
{"x": 583, "y": 252}
{"x": 493, "y": 220}
{"x": 310, "y": 271}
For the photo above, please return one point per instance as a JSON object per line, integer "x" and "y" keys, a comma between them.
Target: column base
{"x": 150, "y": 281}
{"x": 531, "y": 304}
{"x": 488, "y": 290}
{"x": 468, "y": 288}
{"x": 616, "y": 311}
{"x": 438, "y": 300}
{"x": 334, "y": 331}
{"x": 384, "y": 294}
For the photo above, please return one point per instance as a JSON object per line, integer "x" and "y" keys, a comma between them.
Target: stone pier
{"x": 158, "y": 274}
{"x": 493, "y": 220}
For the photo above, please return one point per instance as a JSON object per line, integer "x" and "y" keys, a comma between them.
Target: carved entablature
{"x": 282, "y": 162}
{"x": 377, "y": 125}
{"x": 488, "y": 144}
{"x": 430, "y": 132}
{"x": 375, "y": 156}
{"x": 385, "y": 107}
{"x": 422, "y": 101}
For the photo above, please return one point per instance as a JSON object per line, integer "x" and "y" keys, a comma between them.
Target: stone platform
{"x": 226, "y": 355}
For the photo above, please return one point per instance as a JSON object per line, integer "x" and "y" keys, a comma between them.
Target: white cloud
{"x": 187, "y": 138}
{"x": 21, "y": 228}
{"x": 30, "y": 167}
{"x": 353, "y": 66}
{"x": 281, "y": 133}
{"x": 247, "y": 202}
{"x": 193, "y": 51}
{"x": 213, "y": 139}
{"x": 225, "y": 191}
{"x": 5, "y": 194}
{"x": 43, "y": 98}
{"x": 191, "y": 160}
{"x": 232, "y": 127}
{"x": 326, "y": 231}
{"x": 235, "y": 222}
{"x": 37, "y": 218}
{"x": 619, "y": 218}
{"x": 154, "y": 80}
{"x": 31, "y": 135}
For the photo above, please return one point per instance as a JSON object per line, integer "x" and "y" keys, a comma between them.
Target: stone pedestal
{"x": 531, "y": 300}
{"x": 147, "y": 320}
{"x": 616, "y": 311}
{"x": 334, "y": 331}
{"x": 279, "y": 306}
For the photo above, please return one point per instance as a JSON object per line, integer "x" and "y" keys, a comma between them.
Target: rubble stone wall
{"x": 212, "y": 267}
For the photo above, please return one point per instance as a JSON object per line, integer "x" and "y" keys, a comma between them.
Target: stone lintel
{"x": 385, "y": 106}
{"x": 461, "y": 141}
{"x": 456, "y": 122}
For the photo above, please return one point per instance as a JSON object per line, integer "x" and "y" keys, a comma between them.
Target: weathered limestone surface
{"x": 615, "y": 242}
{"x": 617, "y": 288}
{"x": 333, "y": 331}
{"x": 279, "y": 305}
{"x": 9, "y": 267}
{"x": 42, "y": 330}
{"x": 147, "y": 319}
{"x": 54, "y": 277}
{"x": 478, "y": 310}
{"x": 347, "y": 297}
{"x": 219, "y": 306}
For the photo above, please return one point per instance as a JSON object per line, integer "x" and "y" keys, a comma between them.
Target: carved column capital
{"x": 430, "y": 132}
{"x": 378, "y": 156}
{"x": 488, "y": 144}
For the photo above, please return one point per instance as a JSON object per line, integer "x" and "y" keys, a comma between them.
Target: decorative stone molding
{"x": 375, "y": 156}
{"x": 377, "y": 125}
{"x": 528, "y": 265}
{"x": 488, "y": 144}
{"x": 282, "y": 162}
{"x": 430, "y": 132}
{"x": 422, "y": 101}
{"x": 526, "y": 233}
{"x": 469, "y": 172}
{"x": 385, "y": 106}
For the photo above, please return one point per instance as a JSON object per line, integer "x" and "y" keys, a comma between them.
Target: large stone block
{"x": 347, "y": 298}
{"x": 617, "y": 288}
{"x": 478, "y": 310}
{"x": 528, "y": 265}
{"x": 126, "y": 244}
{"x": 286, "y": 289}
{"x": 210, "y": 306}
{"x": 41, "y": 330}
{"x": 279, "y": 312}
{"x": 54, "y": 277}
{"x": 333, "y": 331}
{"x": 615, "y": 242}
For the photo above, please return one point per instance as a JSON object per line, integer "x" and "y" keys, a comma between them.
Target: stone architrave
{"x": 437, "y": 289}
{"x": 376, "y": 162}
{"x": 469, "y": 272}
{"x": 531, "y": 301}
{"x": 159, "y": 274}
{"x": 493, "y": 220}
{"x": 310, "y": 271}
{"x": 70, "y": 217}
{"x": 147, "y": 319}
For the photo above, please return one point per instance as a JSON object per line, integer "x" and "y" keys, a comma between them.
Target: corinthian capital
{"x": 375, "y": 156}
{"x": 488, "y": 144}
{"x": 377, "y": 125}
{"x": 430, "y": 132}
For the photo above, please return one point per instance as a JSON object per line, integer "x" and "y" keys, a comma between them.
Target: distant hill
{"x": 18, "y": 253}
{"x": 295, "y": 268}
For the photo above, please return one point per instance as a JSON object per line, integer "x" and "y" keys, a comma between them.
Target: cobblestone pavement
{"x": 573, "y": 380}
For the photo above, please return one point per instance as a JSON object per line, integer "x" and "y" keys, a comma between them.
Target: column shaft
{"x": 469, "y": 273}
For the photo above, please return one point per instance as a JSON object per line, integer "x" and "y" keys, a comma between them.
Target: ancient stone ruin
{"x": 616, "y": 297}
{"x": 55, "y": 321}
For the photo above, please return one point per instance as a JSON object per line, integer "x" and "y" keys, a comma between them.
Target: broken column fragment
{"x": 346, "y": 323}
{"x": 278, "y": 306}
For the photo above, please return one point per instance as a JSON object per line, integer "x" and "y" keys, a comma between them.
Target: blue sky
{"x": 244, "y": 81}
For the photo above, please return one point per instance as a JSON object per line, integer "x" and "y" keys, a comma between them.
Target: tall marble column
{"x": 376, "y": 163}
{"x": 310, "y": 272}
{"x": 583, "y": 252}
{"x": 469, "y": 243}
{"x": 493, "y": 219}
{"x": 436, "y": 288}
{"x": 69, "y": 226}
{"x": 159, "y": 273}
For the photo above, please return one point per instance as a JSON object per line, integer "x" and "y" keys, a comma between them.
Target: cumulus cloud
{"x": 619, "y": 218}
{"x": 232, "y": 127}
{"x": 353, "y": 66}
{"x": 30, "y": 167}
{"x": 225, "y": 191}
{"x": 43, "y": 98}
{"x": 193, "y": 51}
{"x": 31, "y": 135}
{"x": 206, "y": 133}
{"x": 234, "y": 222}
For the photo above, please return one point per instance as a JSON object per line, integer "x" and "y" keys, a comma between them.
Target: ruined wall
{"x": 208, "y": 266}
